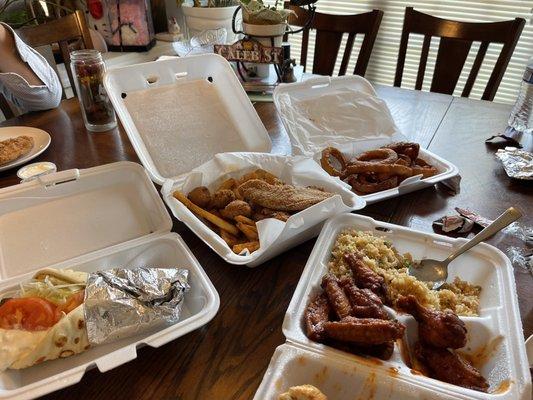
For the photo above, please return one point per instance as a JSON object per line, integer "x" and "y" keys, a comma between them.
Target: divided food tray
{"x": 498, "y": 327}
{"x": 360, "y": 121}
{"x": 88, "y": 220}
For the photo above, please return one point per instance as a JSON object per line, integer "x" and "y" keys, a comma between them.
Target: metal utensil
{"x": 429, "y": 270}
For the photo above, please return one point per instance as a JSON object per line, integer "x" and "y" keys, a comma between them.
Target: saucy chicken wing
{"x": 447, "y": 366}
{"x": 364, "y": 277}
{"x": 436, "y": 328}
{"x": 336, "y": 296}
{"x": 316, "y": 314}
{"x": 365, "y": 304}
{"x": 366, "y": 331}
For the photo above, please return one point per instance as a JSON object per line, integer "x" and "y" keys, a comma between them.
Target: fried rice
{"x": 379, "y": 254}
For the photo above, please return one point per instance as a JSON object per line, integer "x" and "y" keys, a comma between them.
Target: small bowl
{"x": 33, "y": 171}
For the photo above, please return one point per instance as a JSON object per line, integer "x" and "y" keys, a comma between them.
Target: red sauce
{"x": 481, "y": 355}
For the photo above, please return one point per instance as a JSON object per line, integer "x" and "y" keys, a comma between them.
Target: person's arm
{"x": 26, "y": 78}
{"x": 11, "y": 61}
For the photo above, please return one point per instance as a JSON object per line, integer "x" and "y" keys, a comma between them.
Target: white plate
{"x": 41, "y": 138}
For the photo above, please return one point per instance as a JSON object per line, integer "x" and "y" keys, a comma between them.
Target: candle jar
{"x": 88, "y": 69}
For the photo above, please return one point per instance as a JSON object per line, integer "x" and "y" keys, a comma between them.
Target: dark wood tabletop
{"x": 226, "y": 359}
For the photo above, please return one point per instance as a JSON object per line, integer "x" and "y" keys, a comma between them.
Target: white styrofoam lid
{"x": 338, "y": 111}
{"x": 339, "y": 378}
{"x": 70, "y": 213}
{"x": 179, "y": 113}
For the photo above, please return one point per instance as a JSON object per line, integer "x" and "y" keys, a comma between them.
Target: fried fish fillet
{"x": 13, "y": 148}
{"x": 281, "y": 197}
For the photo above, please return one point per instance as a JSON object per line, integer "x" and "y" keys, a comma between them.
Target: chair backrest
{"x": 456, "y": 39}
{"x": 60, "y": 31}
{"x": 329, "y": 33}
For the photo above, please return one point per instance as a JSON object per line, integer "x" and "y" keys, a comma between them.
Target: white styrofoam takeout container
{"x": 361, "y": 122}
{"x": 89, "y": 220}
{"x": 210, "y": 69}
{"x": 221, "y": 77}
{"x": 498, "y": 328}
{"x": 275, "y": 236}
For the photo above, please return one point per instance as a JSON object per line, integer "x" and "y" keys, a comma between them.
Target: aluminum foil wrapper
{"x": 518, "y": 164}
{"x": 124, "y": 302}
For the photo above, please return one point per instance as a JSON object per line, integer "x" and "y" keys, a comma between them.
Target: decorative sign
{"x": 249, "y": 50}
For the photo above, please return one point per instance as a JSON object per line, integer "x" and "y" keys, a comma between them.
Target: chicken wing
{"x": 364, "y": 277}
{"x": 436, "y": 328}
{"x": 336, "y": 296}
{"x": 447, "y": 366}
{"x": 366, "y": 331}
{"x": 316, "y": 314}
{"x": 365, "y": 304}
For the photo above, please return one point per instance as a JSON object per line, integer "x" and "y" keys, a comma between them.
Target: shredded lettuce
{"x": 45, "y": 289}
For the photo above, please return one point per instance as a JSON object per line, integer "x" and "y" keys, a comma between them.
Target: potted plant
{"x": 202, "y": 15}
{"x": 266, "y": 24}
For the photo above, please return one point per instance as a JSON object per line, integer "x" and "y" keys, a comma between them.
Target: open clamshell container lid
{"x": 179, "y": 113}
{"x": 90, "y": 220}
{"x": 345, "y": 112}
{"x": 495, "y": 337}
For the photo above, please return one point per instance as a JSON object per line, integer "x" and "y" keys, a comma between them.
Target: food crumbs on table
{"x": 379, "y": 255}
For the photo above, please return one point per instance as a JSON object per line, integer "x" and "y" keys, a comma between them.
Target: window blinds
{"x": 382, "y": 65}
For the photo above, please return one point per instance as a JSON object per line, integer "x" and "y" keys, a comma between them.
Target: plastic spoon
{"x": 437, "y": 271}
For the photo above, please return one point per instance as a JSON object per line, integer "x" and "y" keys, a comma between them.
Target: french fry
{"x": 251, "y": 246}
{"x": 249, "y": 231}
{"x": 229, "y": 238}
{"x": 206, "y": 214}
{"x": 244, "y": 220}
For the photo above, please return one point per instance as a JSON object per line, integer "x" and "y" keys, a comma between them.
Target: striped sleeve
{"x": 31, "y": 97}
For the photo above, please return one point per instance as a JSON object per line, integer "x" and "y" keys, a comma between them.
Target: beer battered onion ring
{"x": 361, "y": 183}
{"x": 422, "y": 167}
{"x": 325, "y": 161}
{"x": 390, "y": 169}
{"x": 410, "y": 149}
{"x": 380, "y": 156}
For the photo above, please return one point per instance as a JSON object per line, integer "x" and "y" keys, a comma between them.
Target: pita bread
{"x": 61, "y": 276}
{"x": 11, "y": 149}
{"x": 22, "y": 349}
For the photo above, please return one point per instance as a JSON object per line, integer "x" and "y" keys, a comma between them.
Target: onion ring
{"x": 422, "y": 167}
{"x": 380, "y": 156}
{"x": 361, "y": 183}
{"x": 390, "y": 169}
{"x": 325, "y": 161}
{"x": 403, "y": 160}
{"x": 410, "y": 149}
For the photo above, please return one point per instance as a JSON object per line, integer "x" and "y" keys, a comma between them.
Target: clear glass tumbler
{"x": 88, "y": 69}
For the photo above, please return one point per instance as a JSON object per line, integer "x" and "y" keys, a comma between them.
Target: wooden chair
{"x": 456, "y": 39}
{"x": 60, "y": 31}
{"x": 329, "y": 32}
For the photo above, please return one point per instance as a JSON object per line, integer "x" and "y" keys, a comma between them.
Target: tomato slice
{"x": 27, "y": 313}
{"x": 72, "y": 302}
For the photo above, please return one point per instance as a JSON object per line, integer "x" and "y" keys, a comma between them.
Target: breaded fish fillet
{"x": 281, "y": 197}
{"x": 13, "y": 148}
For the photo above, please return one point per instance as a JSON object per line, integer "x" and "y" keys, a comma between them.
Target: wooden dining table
{"x": 226, "y": 358}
